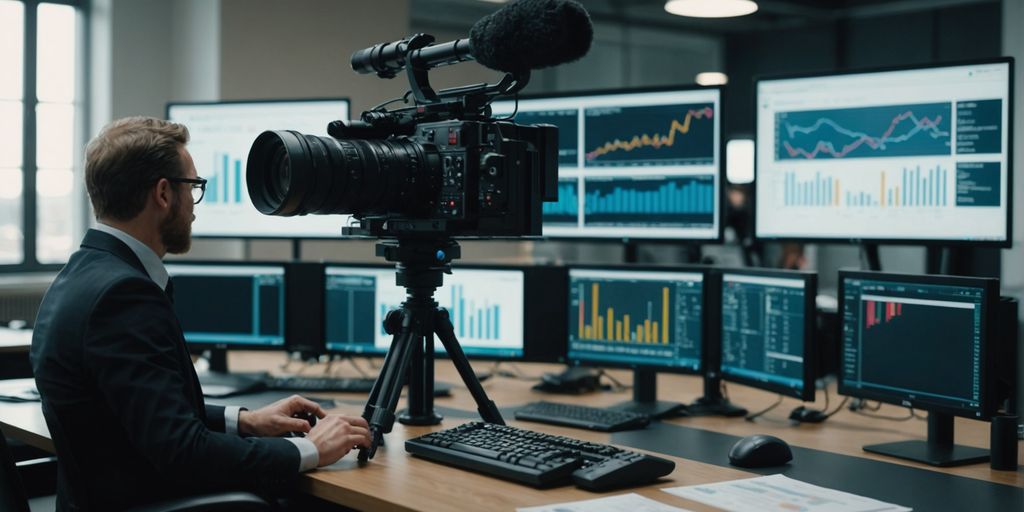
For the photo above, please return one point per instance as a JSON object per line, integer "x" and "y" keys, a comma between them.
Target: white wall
{"x": 196, "y": 57}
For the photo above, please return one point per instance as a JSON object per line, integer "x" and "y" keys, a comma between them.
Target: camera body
{"x": 484, "y": 179}
{"x": 440, "y": 169}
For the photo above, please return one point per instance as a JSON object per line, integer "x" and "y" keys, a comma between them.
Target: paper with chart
{"x": 777, "y": 492}
{"x": 631, "y": 502}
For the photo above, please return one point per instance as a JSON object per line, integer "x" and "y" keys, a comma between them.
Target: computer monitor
{"x": 221, "y": 135}
{"x": 487, "y": 307}
{"x": 910, "y": 155}
{"x": 634, "y": 163}
{"x": 645, "y": 318}
{"x": 230, "y": 305}
{"x": 767, "y": 330}
{"x": 925, "y": 342}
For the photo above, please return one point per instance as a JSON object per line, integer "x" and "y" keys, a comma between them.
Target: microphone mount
{"x": 418, "y": 55}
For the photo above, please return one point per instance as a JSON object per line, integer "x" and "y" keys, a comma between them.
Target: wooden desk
{"x": 393, "y": 480}
{"x": 24, "y": 421}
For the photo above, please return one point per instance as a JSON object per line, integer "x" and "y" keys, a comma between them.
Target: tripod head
{"x": 420, "y": 264}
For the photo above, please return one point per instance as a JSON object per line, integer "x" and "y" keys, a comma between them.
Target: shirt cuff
{"x": 309, "y": 457}
{"x": 231, "y": 419}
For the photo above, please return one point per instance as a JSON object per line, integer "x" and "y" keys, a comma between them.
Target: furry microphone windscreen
{"x": 532, "y": 34}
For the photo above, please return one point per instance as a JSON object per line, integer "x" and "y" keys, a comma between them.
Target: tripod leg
{"x": 380, "y": 409}
{"x": 420, "y": 396}
{"x": 446, "y": 333}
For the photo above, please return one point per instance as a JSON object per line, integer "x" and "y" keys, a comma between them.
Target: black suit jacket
{"x": 121, "y": 398}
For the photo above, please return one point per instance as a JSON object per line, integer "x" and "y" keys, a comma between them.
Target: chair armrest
{"x": 224, "y": 501}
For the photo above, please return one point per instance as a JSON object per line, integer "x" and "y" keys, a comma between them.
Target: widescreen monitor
{"x": 230, "y": 305}
{"x": 486, "y": 307}
{"x": 918, "y": 155}
{"x": 925, "y": 342}
{"x": 642, "y": 164}
{"x": 767, "y": 330}
{"x": 636, "y": 318}
{"x": 221, "y": 135}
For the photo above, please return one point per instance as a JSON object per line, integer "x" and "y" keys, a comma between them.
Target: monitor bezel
{"x": 167, "y": 115}
{"x": 532, "y": 276}
{"x": 810, "y": 352}
{"x": 990, "y": 301}
{"x": 706, "y": 276}
{"x": 720, "y": 235}
{"x": 199, "y": 347}
{"x": 1006, "y": 243}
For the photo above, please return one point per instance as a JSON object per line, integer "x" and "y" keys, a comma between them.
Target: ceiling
{"x": 771, "y": 14}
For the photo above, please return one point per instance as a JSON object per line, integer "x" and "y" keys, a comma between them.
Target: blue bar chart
{"x": 667, "y": 201}
{"x": 485, "y": 307}
{"x": 473, "y": 319}
{"x": 566, "y": 209}
{"x": 225, "y": 184}
{"x": 479, "y": 320}
{"x": 910, "y": 187}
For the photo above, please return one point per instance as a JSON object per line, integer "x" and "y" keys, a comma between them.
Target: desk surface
{"x": 393, "y": 480}
{"x": 15, "y": 340}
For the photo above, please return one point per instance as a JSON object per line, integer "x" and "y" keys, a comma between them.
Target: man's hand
{"x": 276, "y": 419}
{"x": 334, "y": 436}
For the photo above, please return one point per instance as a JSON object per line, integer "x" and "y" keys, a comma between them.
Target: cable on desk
{"x": 362, "y": 373}
{"x": 838, "y": 408}
{"x": 515, "y": 373}
{"x": 889, "y": 418}
{"x": 617, "y": 385}
{"x": 753, "y": 416}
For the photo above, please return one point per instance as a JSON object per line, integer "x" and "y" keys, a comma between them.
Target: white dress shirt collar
{"x": 150, "y": 261}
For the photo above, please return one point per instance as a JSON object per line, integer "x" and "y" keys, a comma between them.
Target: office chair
{"x": 13, "y": 498}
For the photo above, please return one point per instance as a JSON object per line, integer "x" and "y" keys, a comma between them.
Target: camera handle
{"x": 421, "y": 265}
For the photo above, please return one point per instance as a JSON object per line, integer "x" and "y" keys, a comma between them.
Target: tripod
{"x": 420, "y": 266}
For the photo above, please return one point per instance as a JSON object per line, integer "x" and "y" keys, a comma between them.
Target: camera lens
{"x": 289, "y": 173}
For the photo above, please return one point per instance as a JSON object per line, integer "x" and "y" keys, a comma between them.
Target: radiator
{"x": 19, "y": 306}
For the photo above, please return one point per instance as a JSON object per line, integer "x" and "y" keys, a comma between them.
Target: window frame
{"x": 29, "y": 102}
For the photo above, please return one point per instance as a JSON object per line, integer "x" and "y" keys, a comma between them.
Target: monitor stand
{"x": 938, "y": 450}
{"x": 645, "y": 398}
{"x": 872, "y": 257}
{"x": 218, "y": 382}
{"x": 713, "y": 403}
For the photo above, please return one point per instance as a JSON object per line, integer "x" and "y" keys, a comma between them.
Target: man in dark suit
{"x": 118, "y": 388}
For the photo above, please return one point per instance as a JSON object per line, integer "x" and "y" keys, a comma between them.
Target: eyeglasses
{"x": 198, "y": 187}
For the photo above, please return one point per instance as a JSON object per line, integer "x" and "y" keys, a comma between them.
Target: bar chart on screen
{"x": 652, "y": 316}
{"x": 667, "y": 201}
{"x": 221, "y": 136}
{"x": 485, "y": 307}
{"x": 226, "y": 183}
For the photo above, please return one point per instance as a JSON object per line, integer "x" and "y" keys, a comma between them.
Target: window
{"x": 41, "y": 49}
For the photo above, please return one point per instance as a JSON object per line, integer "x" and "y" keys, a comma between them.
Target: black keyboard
{"x": 327, "y": 384}
{"x": 580, "y": 416}
{"x": 538, "y": 459}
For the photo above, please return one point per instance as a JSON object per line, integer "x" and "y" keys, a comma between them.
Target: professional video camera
{"x": 424, "y": 174}
{"x": 443, "y": 167}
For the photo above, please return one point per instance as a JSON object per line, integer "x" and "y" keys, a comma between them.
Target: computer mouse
{"x": 760, "y": 451}
{"x": 805, "y": 415}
